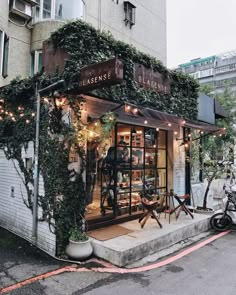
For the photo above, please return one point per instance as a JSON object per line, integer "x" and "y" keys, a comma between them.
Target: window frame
{"x": 34, "y": 65}
{"x": 129, "y": 13}
{"x": 53, "y": 15}
{"x": 4, "y": 54}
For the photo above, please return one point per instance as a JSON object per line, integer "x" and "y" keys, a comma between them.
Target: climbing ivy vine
{"x": 63, "y": 202}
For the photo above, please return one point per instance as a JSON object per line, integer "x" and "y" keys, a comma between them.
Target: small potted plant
{"x": 79, "y": 246}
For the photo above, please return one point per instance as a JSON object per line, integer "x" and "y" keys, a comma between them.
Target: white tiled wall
{"x": 14, "y": 215}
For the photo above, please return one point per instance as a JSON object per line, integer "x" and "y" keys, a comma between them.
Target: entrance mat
{"x": 107, "y": 233}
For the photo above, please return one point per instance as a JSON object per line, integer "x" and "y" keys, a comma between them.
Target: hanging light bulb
{"x": 189, "y": 135}
{"x": 186, "y": 145}
{"x": 157, "y": 129}
{"x": 145, "y": 122}
{"x": 169, "y": 124}
{"x": 127, "y": 108}
{"x": 27, "y": 121}
{"x": 183, "y": 122}
{"x": 135, "y": 110}
{"x": 175, "y": 133}
{"x": 22, "y": 115}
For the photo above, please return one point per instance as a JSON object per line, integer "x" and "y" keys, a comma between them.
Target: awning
{"x": 97, "y": 107}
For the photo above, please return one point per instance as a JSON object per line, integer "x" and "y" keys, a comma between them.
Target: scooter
{"x": 224, "y": 218}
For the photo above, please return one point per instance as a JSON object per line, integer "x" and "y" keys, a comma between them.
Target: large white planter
{"x": 79, "y": 250}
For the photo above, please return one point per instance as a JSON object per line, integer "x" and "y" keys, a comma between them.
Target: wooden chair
{"x": 152, "y": 208}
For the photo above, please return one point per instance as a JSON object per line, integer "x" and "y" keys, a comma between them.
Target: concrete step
{"x": 139, "y": 243}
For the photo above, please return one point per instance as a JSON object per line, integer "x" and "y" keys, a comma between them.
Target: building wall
{"x": 216, "y": 71}
{"x": 19, "y": 44}
{"x": 42, "y": 31}
{"x": 4, "y": 9}
{"x": 14, "y": 214}
{"x": 19, "y": 51}
{"x": 149, "y": 32}
{"x": 179, "y": 167}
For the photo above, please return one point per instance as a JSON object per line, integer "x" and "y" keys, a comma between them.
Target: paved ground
{"x": 198, "y": 264}
{"x": 20, "y": 260}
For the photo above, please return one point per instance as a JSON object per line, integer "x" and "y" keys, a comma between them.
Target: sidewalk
{"x": 20, "y": 259}
{"x": 139, "y": 243}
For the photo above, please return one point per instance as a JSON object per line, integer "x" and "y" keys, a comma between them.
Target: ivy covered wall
{"x": 85, "y": 46}
{"x": 63, "y": 204}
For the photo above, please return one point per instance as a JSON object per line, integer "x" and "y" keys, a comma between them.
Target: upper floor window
{"x": 4, "y": 48}
{"x": 129, "y": 9}
{"x": 58, "y": 9}
{"x": 36, "y": 62}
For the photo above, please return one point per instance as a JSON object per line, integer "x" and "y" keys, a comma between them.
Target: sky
{"x": 199, "y": 28}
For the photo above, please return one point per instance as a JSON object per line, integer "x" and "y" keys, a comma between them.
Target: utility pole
{"x": 38, "y": 93}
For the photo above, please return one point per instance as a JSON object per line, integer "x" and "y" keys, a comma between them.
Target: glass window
{"x": 5, "y": 56}
{"x": 1, "y": 49}
{"x": 137, "y": 168}
{"x": 36, "y": 62}
{"x": 47, "y": 8}
{"x": 162, "y": 139}
{"x": 58, "y": 9}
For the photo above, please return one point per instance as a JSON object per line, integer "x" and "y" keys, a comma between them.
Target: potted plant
{"x": 79, "y": 246}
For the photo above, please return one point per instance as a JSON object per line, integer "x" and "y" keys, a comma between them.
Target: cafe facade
{"x": 132, "y": 119}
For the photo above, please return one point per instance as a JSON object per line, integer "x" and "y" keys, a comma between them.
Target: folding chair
{"x": 152, "y": 208}
{"x": 182, "y": 205}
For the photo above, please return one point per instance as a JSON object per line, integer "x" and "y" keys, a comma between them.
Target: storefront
{"x": 138, "y": 159}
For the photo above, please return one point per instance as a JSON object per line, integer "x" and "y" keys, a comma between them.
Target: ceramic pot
{"x": 79, "y": 250}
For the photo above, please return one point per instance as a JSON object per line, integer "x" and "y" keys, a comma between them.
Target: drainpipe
{"x": 38, "y": 93}
{"x": 84, "y": 10}
{"x": 99, "y": 15}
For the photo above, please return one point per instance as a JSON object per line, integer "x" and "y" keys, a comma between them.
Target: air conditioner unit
{"x": 23, "y": 8}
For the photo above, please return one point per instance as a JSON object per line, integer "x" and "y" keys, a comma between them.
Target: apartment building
{"x": 25, "y": 24}
{"x": 217, "y": 71}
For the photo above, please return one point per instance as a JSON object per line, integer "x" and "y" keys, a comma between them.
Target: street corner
{"x": 20, "y": 260}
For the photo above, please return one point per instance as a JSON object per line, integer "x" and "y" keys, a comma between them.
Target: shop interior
{"x": 130, "y": 165}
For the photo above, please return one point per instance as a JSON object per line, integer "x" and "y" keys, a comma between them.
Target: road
{"x": 208, "y": 270}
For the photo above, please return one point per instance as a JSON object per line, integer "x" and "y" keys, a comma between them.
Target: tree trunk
{"x": 207, "y": 190}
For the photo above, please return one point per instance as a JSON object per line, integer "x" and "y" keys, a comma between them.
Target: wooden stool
{"x": 182, "y": 205}
{"x": 152, "y": 208}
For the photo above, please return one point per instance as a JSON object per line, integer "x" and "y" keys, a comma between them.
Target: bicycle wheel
{"x": 221, "y": 221}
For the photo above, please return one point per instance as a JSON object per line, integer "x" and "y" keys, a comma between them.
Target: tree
{"x": 216, "y": 151}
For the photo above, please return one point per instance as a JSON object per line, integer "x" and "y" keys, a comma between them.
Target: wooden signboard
{"x": 101, "y": 74}
{"x": 53, "y": 59}
{"x": 149, "y": 79}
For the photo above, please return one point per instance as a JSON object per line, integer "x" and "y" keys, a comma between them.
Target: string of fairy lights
{"x": 134, "y": 110}
{"x": 20, "y": 112}
{"x": 93, "y": 129}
